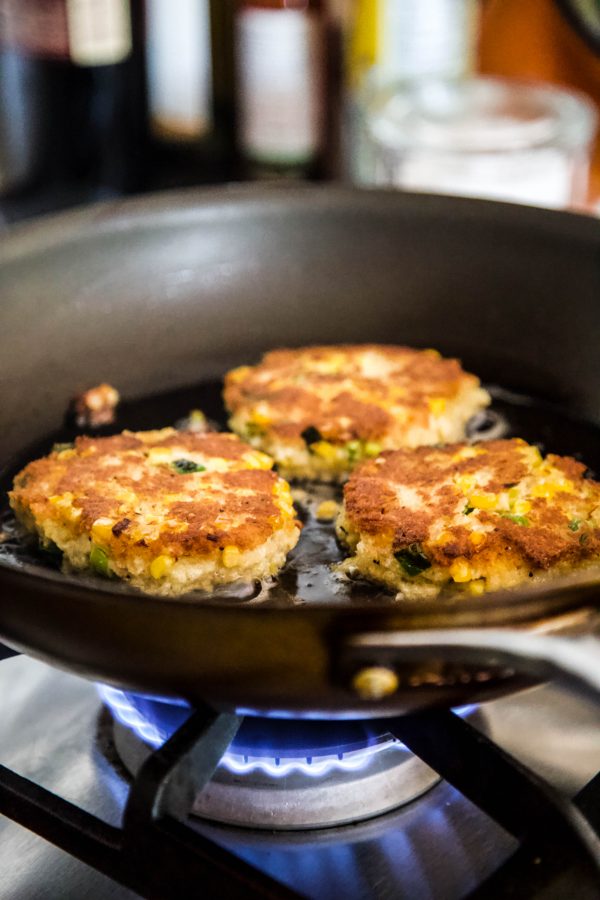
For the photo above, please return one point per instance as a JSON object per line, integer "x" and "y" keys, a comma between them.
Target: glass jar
{"x": 502, "y": 139}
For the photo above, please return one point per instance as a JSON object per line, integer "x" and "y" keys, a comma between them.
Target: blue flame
{"x": 312, "y": 749}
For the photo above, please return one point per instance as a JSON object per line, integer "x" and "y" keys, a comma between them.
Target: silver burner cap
{"x": 296, "y": 799}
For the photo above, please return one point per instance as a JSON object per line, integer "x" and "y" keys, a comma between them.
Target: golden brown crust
{"x": 144, "y": 504}
{"x": 346, "y": 392}
{"x": 539, "y": 512}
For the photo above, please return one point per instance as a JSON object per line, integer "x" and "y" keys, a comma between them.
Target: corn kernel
{"x": 327, "y": 510}
{"x": 102, "y": 530}
{"x": 477, "y": 587}
{"x": 465, "y": 483}
{"x": 536, "y": 456}
{"x": 483, "y": 501}
{"x": 330, "y": 366}
{"x": 445, "y": 538}
{"x": 231, "y": 556}
{"x": 437, "y": 405}
{"x": 431, "y": 352}
{"x": 460, "y": 570}
{"x": 61, "y": 500}
{"x": 477, "y": 538}
{"x": 548, "y": 488}
{"x": 285, "y": 509}
{"x": 158, "y": 455}
{"x": 372, "y": 449}
{"x": 258, "y": 418}
{"x": 324, "y": 449}
{"x": 160, "y": 566}
{"x": 238, "y": 374}
{"x": 258, "y": 461}
{"x": 521, "y": 507}
{"x": 467, "y": 453}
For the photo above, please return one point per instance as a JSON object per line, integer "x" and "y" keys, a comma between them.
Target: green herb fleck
{"x": 468, "y": 510}
{"x": 354, "y": 451}
{"x": 413, "y": 560}
{"x": 253, "y": 429}
{"x": 99, "y": 561}
{"x": 518, "y": 520}
{"x": 583, "y": 538}
{"x": 574, "y": 524}
{"x": 311, "y": 435}
{"x": 185, "y": 466}
{"x": 58, "y": 448}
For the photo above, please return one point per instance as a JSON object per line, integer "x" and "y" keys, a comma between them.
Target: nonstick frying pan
{"x": 161, "y": 295}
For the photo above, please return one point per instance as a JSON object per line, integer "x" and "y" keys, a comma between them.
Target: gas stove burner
{"x": 282, "y": 773}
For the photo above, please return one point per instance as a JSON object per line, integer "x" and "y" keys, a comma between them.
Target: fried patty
{"x": 319, "y": 410}
{"x": 167, "y": 511}
{"x": 469, "y": 517}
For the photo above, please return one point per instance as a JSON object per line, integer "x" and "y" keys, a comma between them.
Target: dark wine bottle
{"x": 189, "y": 53}
{"x": 281, "y": 85}
{"x": 85, "y": 92}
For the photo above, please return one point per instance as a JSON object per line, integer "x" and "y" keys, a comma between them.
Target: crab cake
{"x": 469, "y": 517}
{"x": 167, "y": 511}
{"x": 319, "y": 410}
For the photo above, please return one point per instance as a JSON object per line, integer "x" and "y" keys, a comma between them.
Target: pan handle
{"x": 376, "y": 663}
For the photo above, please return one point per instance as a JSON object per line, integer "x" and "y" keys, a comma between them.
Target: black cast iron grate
{"x": 157, "y": 855}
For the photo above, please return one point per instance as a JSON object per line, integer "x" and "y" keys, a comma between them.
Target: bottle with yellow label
{"x": 401, "y": 41}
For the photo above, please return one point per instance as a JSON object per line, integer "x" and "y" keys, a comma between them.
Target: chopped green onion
{"x": 413, "y": 560}
{"x": 574, "y": 524}
{"x": 468, "y": 510}
{"x": 311, "y": 435}
{"x": 58, "y": 448}
{"x": 583, "y": 538}
{"x": 185, "y": 466}
{"x": 354, "y": 451}
{"x": 253, "y": 429}
{"x": 99, "y": 561}
{"x": 518, "y": 520}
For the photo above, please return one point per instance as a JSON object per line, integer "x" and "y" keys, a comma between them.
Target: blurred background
{"x": 492, "y": 98}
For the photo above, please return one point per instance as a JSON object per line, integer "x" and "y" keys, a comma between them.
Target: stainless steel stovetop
{"x": 55, "y": 731}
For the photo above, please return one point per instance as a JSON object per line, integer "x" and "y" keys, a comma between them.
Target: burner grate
{"x": 156, "y": 854}
{"x": 282, "y": 774}
{"x": 276, "y": 748}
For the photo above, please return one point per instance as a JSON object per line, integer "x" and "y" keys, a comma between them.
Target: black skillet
{"x": 159, "y": 294}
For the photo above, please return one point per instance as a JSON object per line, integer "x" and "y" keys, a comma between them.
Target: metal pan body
{"x": 162, "y": 292}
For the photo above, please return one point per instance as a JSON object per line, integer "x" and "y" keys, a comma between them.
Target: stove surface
{"x": 55, "y": 731}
